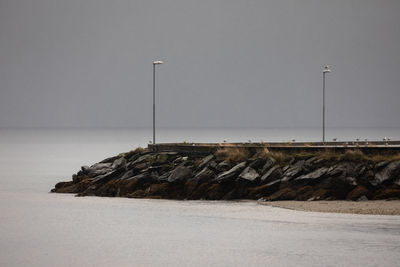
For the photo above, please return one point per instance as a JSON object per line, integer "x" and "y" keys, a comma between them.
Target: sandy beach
{"x": 376, "y": 207}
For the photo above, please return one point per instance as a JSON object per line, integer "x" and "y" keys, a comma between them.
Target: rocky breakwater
{"x": 234, "y": 173}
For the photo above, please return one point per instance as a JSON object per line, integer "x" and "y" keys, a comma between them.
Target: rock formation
{"x": 268, "y": 176}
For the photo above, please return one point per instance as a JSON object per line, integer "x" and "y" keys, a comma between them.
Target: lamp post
{"x": 157, "y": 62}
{"x": 324, "y": 71}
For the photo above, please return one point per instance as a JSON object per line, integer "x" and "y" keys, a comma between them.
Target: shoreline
{"x": 371, "y": 207}
{"x": 232, "y": 173}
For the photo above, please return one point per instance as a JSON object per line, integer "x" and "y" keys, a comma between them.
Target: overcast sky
{"x": 88, "y": 63}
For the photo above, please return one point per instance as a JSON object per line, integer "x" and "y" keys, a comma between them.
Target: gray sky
{"x": 231, "y": 63}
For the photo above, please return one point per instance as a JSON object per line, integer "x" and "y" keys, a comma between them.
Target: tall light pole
{"x": 157, "y": 62}
{"x": 324, "y": 71}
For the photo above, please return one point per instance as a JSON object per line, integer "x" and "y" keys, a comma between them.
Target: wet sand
{"x": 376, "y": 207}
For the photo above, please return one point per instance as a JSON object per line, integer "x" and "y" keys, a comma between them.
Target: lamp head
{"x": 158, "y": 62}
{"x": 326, "y": 69}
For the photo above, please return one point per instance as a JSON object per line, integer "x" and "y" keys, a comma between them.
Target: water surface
{"x": 42, "y": 229}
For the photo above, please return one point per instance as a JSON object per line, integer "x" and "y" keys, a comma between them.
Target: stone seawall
{"x": 241, "y": 173}
{"x": 375, "y": 147}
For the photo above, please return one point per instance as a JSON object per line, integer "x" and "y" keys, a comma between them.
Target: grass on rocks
{"x": 238, "y": 154}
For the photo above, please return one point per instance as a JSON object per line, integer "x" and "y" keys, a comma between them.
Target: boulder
{"x": 341, "y": 186}
{"x": 180, "y": 173}
{"x": 272, "y": 174}
{"x": 205, "y": 175}
{"x": 120, "y": 162}
{"x": 286, "y": 193}
{"x": 357, "y": 192}
{"x": 223, "y": 166}
{"x": 144, "y": 158}
{"x": 127, "y": 174}
{"x": 381, "y": 164}
{"x": 109, "y": 160}
{"x": 257, "y": 164}
{"x": 314, "y": 163}
{"x": 99, "y": 169}
{"x": 315, "y": 175}
{"x": 268, "y": 164}
{"x": 388, "y": 172}
{"x": 108, "y": 176}
{"x": 249, "y": 174}
{"x": 205, "y": 161}
{"x": 343, "y": 169}
{"x": 164, "y": 157}
{"x": 264, "y": 190}
{"x": 293, "y": 171}
{"x": 231, "y": 173}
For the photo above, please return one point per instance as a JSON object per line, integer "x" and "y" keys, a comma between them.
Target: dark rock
{"x": 206, "y": 160}
{"x": 341, "y": 186}
{"x": 249, "y": 174}
{"x": 315, "y": 175}
{"x": 388, "y": 172}
{"x": 231, "y": 173}
{"x": 127, "y": 174}
{"x": 315, "y": 163}
{"x": 268, "y": 164}
{"x": 109, "y": 160}
{"x": 272, "y": 174}
{"x": 311, "y": 161}
{"x": 205, "y": 175}
{"x": 61, "y": 185}
{"x": 293, "y": 171}
{"x": 286, "y": 193}
{"x": 285, "y": 168}
{"x": 108, "y": 176}
{"x": 362, "y": 198}
{"x": 85, "y": 169}
{"x": 99, "y": 169}
{"x": 381, "y": 164}
{"x": 180, "y": 173}
{"x": 164, "y": 157}
{"x": 305, "y": 193}
{"x": 140, "y": 166}
{"x": 213, "y": 165}
{"x": 263, "y": 190}
{"x": 257, "y": 164}
{"x": 157, "y": 189}
{"x": 149, "y": 158}
{"x": 389, "y": 192}
{"x": 343, "y": 169}
{"x": 119, "y": 163}
{"x": 357, "y": 192}
{"x": 223, "y": 166}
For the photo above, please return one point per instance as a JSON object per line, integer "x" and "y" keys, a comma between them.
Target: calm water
{"x": 42, "y": 229}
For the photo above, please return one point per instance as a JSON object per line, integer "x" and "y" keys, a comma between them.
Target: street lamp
{"x": 157, "y": 62}
{"x": 324, "y": 71}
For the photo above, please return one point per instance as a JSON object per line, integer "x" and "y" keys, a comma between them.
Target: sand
{"x": 377, "y": 207}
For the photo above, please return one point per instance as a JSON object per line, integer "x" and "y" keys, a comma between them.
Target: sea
{"x": 38, "y": 228}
